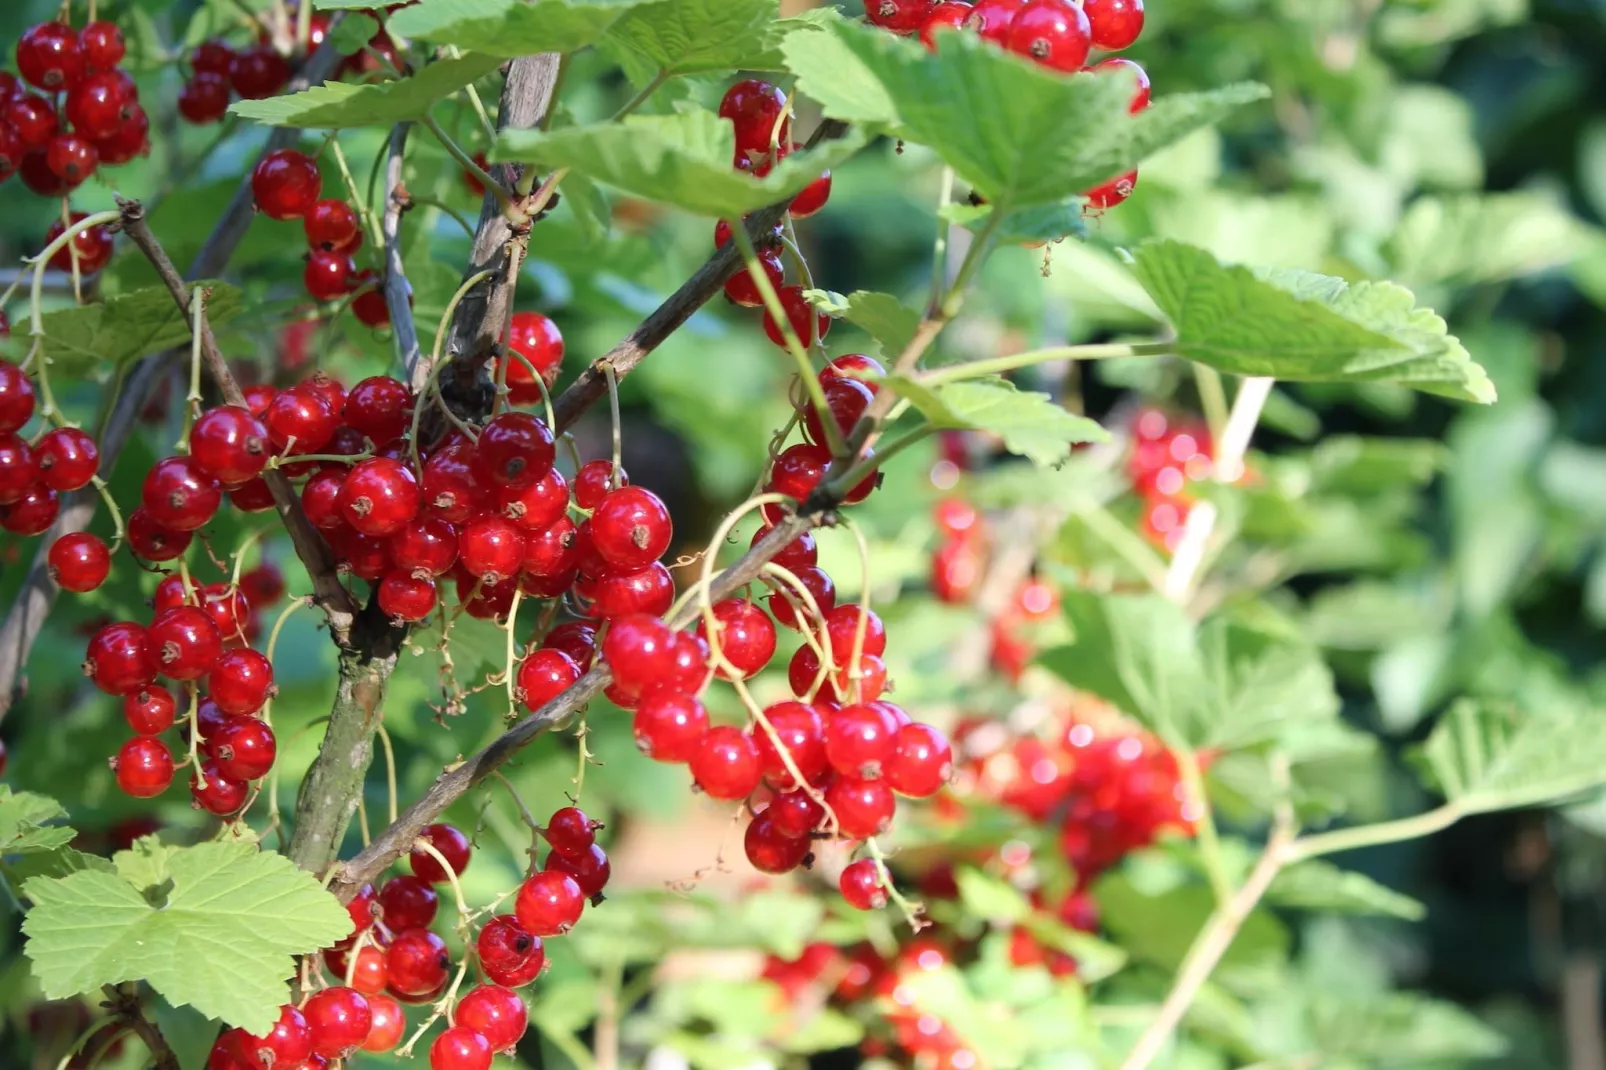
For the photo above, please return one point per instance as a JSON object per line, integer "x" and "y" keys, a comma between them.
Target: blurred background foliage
{"x": 1455, "y": 146}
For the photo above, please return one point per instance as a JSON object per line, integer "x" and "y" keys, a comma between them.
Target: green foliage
{"x": 27, "y": 823}
{"x": 1320, "y": 886}
{"x": 1489, "y": 756}
{"x": 509, "y": 28}
{"x": 1302, "y": 326}
{"x": 123, "y": 328}
{"x": 680, "y": 37}
{"x": 682, "y": 160}
{"x": 338, "y": 105}
{"x": 1020, "y": 135}
{"x": 883, "y": 317}
{"x": 212, "y": 926}
{"x": 1029, "y": 423}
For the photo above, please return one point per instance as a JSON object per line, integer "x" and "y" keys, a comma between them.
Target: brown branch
{"x": 398, "y": 292}
{"x": 123, "y": 1001}
{"x": 311, "y": 547}
{"x": 26, "y": 618}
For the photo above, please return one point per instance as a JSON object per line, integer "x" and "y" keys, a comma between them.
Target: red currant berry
{"x": 16, "y": 397}
{"x": 35, "y": 121}
{"x": 813, "y": 197}
{"x": 149, "y": 711}
{"x": 153, "y": 541}
{"x": 288, "y": 1043}
{"x": 101, "y": 44}
{"x": 805, "y": 667}
{"x": 498, "y": 1014}
{"x": 536, "y": 506}
{"x": 571, "y": 832}
{"x": 119, "y": 660}
{"x": 795, "y": 814}
{"x": 856, "y": 366}
{"x": 799, "y": 731}
{"x": 216, "y": 793}
{"x": 406, "y": 902}
{"x": 514, "y": 449}
{"x": 204, "y": 98}
{"x": 380, "y": 407}
{"x": 38, "y": 177}
{"x": 509, "y": 954}
{"x": 452, "y": 489}
{"x": 332, "y": 225}
{"x": 285, "y": 184}
{"x": 130, "y": 139}
{"x": 746, "y": 636}
{"x": 726, "y": 764}
{"x": 808, "y": 325}
{"x": 258, "y": 72}
{"x": 669, "y": 727}
{"x": 328, "y": 275}
{"x": 179, "y": 496}
{"x": 1115, "y": 24}
{"x": 491, "y": 549}
{"x": 1112, "y": 192}
{"x": 543, "y": 676}
{"x": 948, "y": 15}
{"x": 538, "y": 340}
{"x": 1141, "y": 95}
{"x": 817, "y": 582}
{"x": 858, "y": 740}
{"x": 755, "y": 107}
{"x": 379, "y": 497}
{"x": 846, "y": 399}
{"x": 49, "y": 56}
{"x": 549, "y": 903}
{"x": 863, "y": 808}
{"x": 19, "y": 469}
{"x": 842, "y": 628}
{"x": 861, "y": 886}
{"x": 66, "y": 458}
{"x": 369, "y": 306}
{"x": 771, "y": 852}
{"x": 425, "y": 545}
{"x": 229, "y": 444}
{"x": 79, "y": 562}
{"x": 95, "y": 106}
{"x": 640, "y": 650}
{"x": 451, "y": 844}
{"x": 631, "y": 528}
{"x": 245, "y": 748}
{"x": 302, "y": 416}
{"x": 368, "y": 973}
{"x": 417, "y": 963}
{"x": 185, "y": 642}
{"x": 921, "y": 761}
{"x": 71, "y": 159}
{"x": 990, "y": 19}
{"x": 144, "y": 767}
{"x": 212, "y": 57}
{"x": 35, "y": 511}
{"x": 590, "y": 869}
{"x": 92, "y": 247}
{"x": 740, "y": 289}
{"x": 1053, "y": 33}
{"x": 404, "y": 596}
{"x": 575, "y": 638}
{"x": 339, "y": 1020}
{"x": 650, "y": 590}
{"x": 387, "y": 1024}
{"x": 460, "y": 1048}
{"x": 902, "y": 17}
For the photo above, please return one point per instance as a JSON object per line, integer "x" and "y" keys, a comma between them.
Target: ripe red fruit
{"x": 543, "y": 676}
{"x": 571, "y": 832}
{"x": 71, "y": 159}
{"x": 746, "y": 636}
{"x": 406, "y": 902}
{"x": 151, "y": 540}
{"x": 650, "y": 590}
{"x": 143, "y": 766}
{"x": 426, "y": 544}
{"x": 726, "y": 763}
{"x": 537, "y": 339}
{"x": 1113, "y": 192}
{"x": 1141, "y": 96}
{"x": 801, "y": 315}
{"x": 204, "y": 98}
{"x": 131, "y": 138}
{"x": 593, "y": 482}
{"x": 288, "y": 1043}
{"x": 990, "y": 19}
{"x": 178, "y": 495}
{"x": 368, "y": 973}
{"x": 184, "y": 642}
{"x": 860, "y": 884}
{"x": 509, "y": 954}
{"x": 590, "y": 869}
{"x": 149, "y": 711}
{"x": 452, "y": 845}
{"x": 820, "y": 586}
{"x": 35, "y": 123}
{"x": 19, "y": 470}
{"x": 498, "y": 1014}
{"x": 575, "y": 638}
{"x": 846, "y": 399}
{"x": 101, "y": 44}
{"x": 858, "y": 740}
{"x": 332, "y": 225}
{"x": 79, "y": 561}
{"x": 740, "y": 288}
{"x": 258, "y": 72}
{"x": 404, "y": 596}
{"x": 66, "y": 458}
{"x": 855, "y": 366}
{"x": 771, "y": 852}
{"x": 34, "y": 512}
{"x": 863, "y": 808}
{"x": 418, "y": 963}
{"x": 842, "y": 628}
{"x": 754, "y": 107}
{"x": 244, "y": 748}
{"x": 379, "y": 407}
{"x": 303, "y": 417}
{"x": 801, "y": 732}
{"x": 1115, "y": 24}
{"x": 795, "y": 814}
{"x": 379, "y": 497}
{"x": 812, "y": 198}
{"x": 630, "y": 528}
{"x": 16, "y": 397}
{"x": 49, "y": 56}
{"x": 900, "y": 16}
{"x": 514, "y": 449}
{"x": 640, "y": 651}
{"x": 95, "y": 106}
{"x": 460, "y": 1048}
{"x": 549, "y": 903}
{"x": 37, "y": 175}
{"x": 668, "y": 726}
{"x": 229, "y": 444}
{"x": 1053, "y": 33}
{"x": 339, "y": 1020}
{"x": 119, "y": 659}
{"x": 921, "y": 762}
{"x": 92, "y": 246}
{"x": 451, "y": 487}
{"x": 837, "y": 686}
{"x": 285, "y": 184}
{"x": 215, "y": 793}
{"x": 328, "y": 275}
{"x": 491, "y": 549}
{"x": 536, "y": 506}
{"x": 950, "y": 15}
{"x": 387, "y": 1024}
{"x": 212, "y": 57}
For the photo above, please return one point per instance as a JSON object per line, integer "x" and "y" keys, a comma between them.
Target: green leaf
{"x": 1304, "y": 326}
{"x": 1018, "y": 134}
{"x": 1030, "y": 423}
{"x": 1217, "y": 685}
{"x": 883, "y": 317}
{"x": 683, "y": 160}
{"x": 509, "y": 28}
{"x": 124, "y": 328}
{"x": 217, "y": 935}
{"x": 989, "y": 898}
{"x": 354, "y": 33}
{"x": 678, "y": 37}
{"x": 1045, "y": 222}
{"x": 1160, "y": 927}
{"x": 1476, "y": 239}
{"x": 1318, "y": 885}
{"x": 25, "y": 826}
{"x": 1484, "y": 756}
{"x": 335, "y": 105}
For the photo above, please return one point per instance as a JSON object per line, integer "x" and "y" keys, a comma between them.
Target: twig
{"x": 124, "y": 1004}
{"x": 398, "y": 292}
{"x": 309, "y": 542}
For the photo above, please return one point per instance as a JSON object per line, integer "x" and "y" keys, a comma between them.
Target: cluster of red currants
{"x": 33, "y": 475}
{"x": 1167, "y": 455}
{"x": 89, "y": 113}
{"x": 286, "y": 185}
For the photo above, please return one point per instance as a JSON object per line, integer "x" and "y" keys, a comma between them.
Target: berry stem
{"x": 492, "y": 186}
{"x": 194, "y": 760}
{"x": 1212, "y": 398}
{"x": 975, "y": 369}
{"x": 862, "y": 626}
{"x": 72, "y": 255}
{"x": 36, "y": 297}
{"x": 939, "y": 253}
{"x": 111, "y": 507}
{"x": 840, "y": 485}
{"x": 641, "y": 97}
{"x": 616, "y": 479}
{"x": 390, "y": 767}
{"x": 525, "y": 816}
{"x": 303, "y": 27}
{"x": 914, "y": 913}
{"x": 364, "y": 209}
{"x": 794, "y": 346}
{"x": 1197, "y": 799}
{"x": 193, "y": 398}
{"x": 273, "y": 645}
{"x": 510, "y": 665}
{"x": 785, "y": 581}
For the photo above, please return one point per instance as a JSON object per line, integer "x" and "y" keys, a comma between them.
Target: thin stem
{"x": 273, "y": 645}
{"x": 617, "y": 479}
{"x": 111, "y": 507}
{"x": 1198, "y": 800}
{"x": 390, "y": 767}
{"x": 364, "y": 209}
{"x": 442, "y": 206}
{"x": 862, "y": 626}
{"x": 939, "y": 255}
{"x": 975, "y": 369}
{"x": 193, "y": 398}
{"x": 854, "y": 475}
{"x": 511, "y": 664}
{"x": 456, "y": 151}
{"x": 1212, "y": 398}
{"x": 37, "y": 293}
{"x": 1351, "y": 839}
{"x": 913, "y": 913}
{"x": 1125, "y": 542}
{"x": 641, "y": 98}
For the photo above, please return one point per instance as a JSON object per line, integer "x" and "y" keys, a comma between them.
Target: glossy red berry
{"x": 842, "y": 628}
{"x": 899, "y": 16}
{"x": 669, "y": 726}
{"x": 771, "y": 852}
{"x": 92, "y": 247}
{"x": 863, "y": 808}
{"x": 795, "y": 814}
{"x": 839, "y": 686}
{"x": 79, "y": 561}
{"x": 339, "y": 1020}
{"x": 244, "y": 748}
{"x": 149, "y": 711}
{"x": 1141, "y": 94}
{"x": 813, "y": 197}
{"x": 846, "y": 399}
{"x": 179, "y": 496}
{"x": 332, "y": 225}
{"x": 491, "y": 549}
{"x": 571, "y": 832}
{"x": 328, "y": 275}
{"x": 820, "y": 586}
{"x": 16, "y": 397}
{"x": 859, "y": 740}
{"x": 640, "y": 649}
{"x": 258, "y": 72}
{"x": 379, "y": 407}
{"x": 1113, "y": 192}
{"x": 594, "y": 480}
{"x": 726, "y": 763}
{"x": 34, "y": 512}
{"x": 153, "y": 541}
{"x": 798, "y": 738}
{"x": 575, "y": 638}
{"x": 508, "y": 953}
{"x": 590, "y": 868}
{"x": 755, "y": 107}
{"x": 549, "y": 903}
{"x": 144, "y": 767}
{"x": 745, "y": 634}
{"x": 49, "y": 56}
{"x": 426, "y": 545}
{"x": 387, "y": 1024}
{"x": 119, "y": 659}
{"x": 514, "y": 449}
{"x": 367, "y": 973}
{"x": 288, "y": 1043}
{"x": 71, "y": 158}
{"x": 417, "y": 962}
{"x": 498, "y": 1014}
{"x": 538, "y": 340}
{"x": 35, "y": 122}
{"x": 185, "y": 642}
{"x": 1052, "y": 33}
{"x": 740, "y": 288}
{"x": 300, "y": 421}
{"x": 808, "y": 325}
{"x": 860, "y": 884}
{"x": 404, "y": 596}
{"x": 101, "y": 44}
{"x": 543, "y": 676}
{"x": 229, "y": 444}
{"x": 130, "y": 139}
{"x": 452, "y": 845}
{"x": 452, "y": 488}
{"x": 948, "y": 15}
{"x": 460, "y": 1048}
{"x": 216, "y": 793}
{"x": 19, "y": 469}
{"x": 991, "y": 19}
{"x": 406, "y": 902}
{"x": 95, "y": 106}
{"x": 212, "y": 57}
{"x": 650, "y": 590}
{"x": 536, "y": 506}
{"x": 921, "y": 762}
{"x": 631, "y": 528}
{"x": 204, "y": 98}
{"x": 380, "y": 497}
{"x": 66, "y": 458}
{"x": 1115, "y": 24}
{"x": 285, "y": 184}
